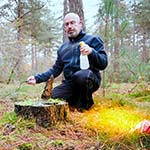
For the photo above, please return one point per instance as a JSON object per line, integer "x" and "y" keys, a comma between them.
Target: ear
{"x": 81, "y": 23}
{"x": 64, "y": 28}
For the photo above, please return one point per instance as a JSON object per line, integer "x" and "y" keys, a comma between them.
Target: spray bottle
{"x": 84, "y": 62}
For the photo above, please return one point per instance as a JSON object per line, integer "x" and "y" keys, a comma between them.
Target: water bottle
{"x": 84, "y": 62}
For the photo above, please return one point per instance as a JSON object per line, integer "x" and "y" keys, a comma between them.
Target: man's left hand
{"x": 85, "y": 49}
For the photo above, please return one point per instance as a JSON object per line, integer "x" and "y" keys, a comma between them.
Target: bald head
{"x": 73, "y": 16}
{"x": 72, "y": 25}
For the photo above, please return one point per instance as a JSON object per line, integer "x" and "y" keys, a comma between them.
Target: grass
{"x": 110, "y": 122}
{"x": 21, "y": 92}
{"x": 10, "y": 118}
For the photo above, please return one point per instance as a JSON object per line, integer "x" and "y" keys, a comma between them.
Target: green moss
{"x": 26, "y": 103}
{"x": 25, "y": 146}
{"x": 58, "y": 143}
{"x": 54, "y": 100}
{"x": 8, "y": 118}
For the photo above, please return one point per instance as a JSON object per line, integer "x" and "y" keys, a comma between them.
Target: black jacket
{"x": 68, "y": 56}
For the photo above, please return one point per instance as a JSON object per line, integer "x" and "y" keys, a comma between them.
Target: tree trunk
{"x": 65, "y": 12}
{"x": 106, "y": 48}
{"x": 33, "y": 57}
{"x": 19, "y": 52}
{"x": 144, "y": 53}
{"x": 76, "y": 6}
{"x": 116, "y": 48}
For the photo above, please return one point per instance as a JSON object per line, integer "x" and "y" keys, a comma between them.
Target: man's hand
{"x": 85, "y": 49}
{"x": 31, "y": 80}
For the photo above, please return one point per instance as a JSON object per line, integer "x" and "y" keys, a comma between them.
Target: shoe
{"x": 72, "y": 108}
{"x": 89, "y": 104}
{"x": 81, "y": 110}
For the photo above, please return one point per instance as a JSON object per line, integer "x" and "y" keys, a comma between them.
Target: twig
{"x": 129, "y": 91}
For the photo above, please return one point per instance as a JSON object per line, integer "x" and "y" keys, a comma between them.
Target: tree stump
{"x": 45, "y": 113}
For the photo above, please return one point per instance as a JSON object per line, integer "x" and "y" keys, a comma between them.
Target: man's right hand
{"x": 31, "y": 80}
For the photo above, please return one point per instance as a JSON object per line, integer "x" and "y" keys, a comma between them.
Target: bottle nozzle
{"x": 81, "y": 43}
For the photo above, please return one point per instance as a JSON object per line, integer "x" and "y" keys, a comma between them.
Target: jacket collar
{"x": 80, "y": 35}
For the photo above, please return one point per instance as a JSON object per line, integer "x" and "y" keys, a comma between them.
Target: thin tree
{"x": 142, "y": 20}
{"x": 105, "y": 12}
{"x": 116, "y": 45}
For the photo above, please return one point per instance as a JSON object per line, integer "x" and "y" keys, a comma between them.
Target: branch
{"x": 12, "y": 71}
{"x": 130, "y": 69}
{"x": 31, "y": 11}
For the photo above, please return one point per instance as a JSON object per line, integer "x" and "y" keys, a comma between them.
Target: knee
{"x": 80, "y": 77}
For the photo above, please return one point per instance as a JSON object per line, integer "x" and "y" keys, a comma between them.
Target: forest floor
{"x": 108, "y": 125}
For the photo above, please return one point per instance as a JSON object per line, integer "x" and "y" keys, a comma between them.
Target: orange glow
{"x": 112, "y": 121}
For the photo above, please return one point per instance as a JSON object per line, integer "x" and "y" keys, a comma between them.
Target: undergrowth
{"x": 110, "y": 121}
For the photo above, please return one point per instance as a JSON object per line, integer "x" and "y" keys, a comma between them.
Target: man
{"x": 78, "y": 85}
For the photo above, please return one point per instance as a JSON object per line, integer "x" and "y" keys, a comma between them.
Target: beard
{"x": 73, "y": 33}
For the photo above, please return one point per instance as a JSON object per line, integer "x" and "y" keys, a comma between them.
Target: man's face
{"x": 72, "y": 26}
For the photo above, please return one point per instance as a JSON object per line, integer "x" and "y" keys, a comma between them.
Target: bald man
{"x": 78, "y": 84}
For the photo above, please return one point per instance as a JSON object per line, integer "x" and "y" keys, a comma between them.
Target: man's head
{"x": 72, "y": 25}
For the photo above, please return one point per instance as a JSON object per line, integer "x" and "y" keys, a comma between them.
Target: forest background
{"x": 32, "y": 31}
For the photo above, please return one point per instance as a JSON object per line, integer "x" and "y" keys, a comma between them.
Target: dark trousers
{"x": 79, "y": 91}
